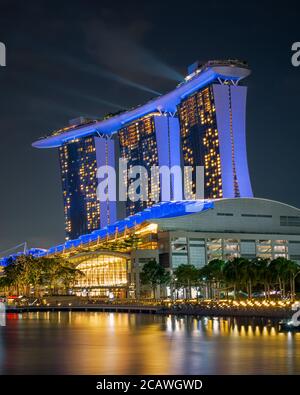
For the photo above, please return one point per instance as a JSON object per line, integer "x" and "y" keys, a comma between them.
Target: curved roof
{"x": 262, "y": 216}
{"x": 239, "y": 215}
{"x": 159, "y": 210}
{"x": 164, "y": 103}
{"x": 258, "y": 200}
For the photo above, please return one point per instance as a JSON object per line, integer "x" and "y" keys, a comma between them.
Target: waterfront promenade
{"x": 222, "y": 308}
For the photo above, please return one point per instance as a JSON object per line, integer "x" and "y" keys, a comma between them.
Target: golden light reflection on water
{"x": 119, "y": 343}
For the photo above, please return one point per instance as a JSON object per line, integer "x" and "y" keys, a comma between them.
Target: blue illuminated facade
{"x": 160, "y": 210}
{"x": 78, "y": 166}
{"x": 151, "y": 141}
{"x": 200, "y": 123}
{"x": 79, "y": 161}
{"x": 230, "y": 105}
{"x": 206, "y": 74}
{"x": 212, "y": 130}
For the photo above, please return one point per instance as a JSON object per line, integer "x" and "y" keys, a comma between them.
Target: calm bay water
{"x": 119, "y": 343}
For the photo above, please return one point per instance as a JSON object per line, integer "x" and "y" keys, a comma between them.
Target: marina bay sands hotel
{"x": 200, "y": 123}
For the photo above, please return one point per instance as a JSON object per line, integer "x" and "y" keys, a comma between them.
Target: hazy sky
{"x": 66, "y": 59}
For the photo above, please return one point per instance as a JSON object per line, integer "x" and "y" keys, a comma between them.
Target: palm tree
{"x": 248, "y": 274}
{"x": 154, "y": 274}
{"x": 58, "y": 273}
{"x": 186, "y": 276}
{"x": 263, "y": 274}
{"x": 232, "y": 275}
{"x": 284, "y": 272}
{"x": 278, "y": 268}
{"x": 212, "y": 273}
{"x": 68, "y": 274}
{"x": 293, "y": 269}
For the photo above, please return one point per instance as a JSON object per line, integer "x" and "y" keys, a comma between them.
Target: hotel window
{"x": 289, "y": 221}
{"x": 214, "y": 249}
{"x": 248, "y": 247}
{"x": 179, "y": 259}
{"x": 179, "y": 244}
{"x": 257, "y": 215}
{"x": 78, "y": 168}
{"x": 138, "y": 145}
{"x": 193, "y": 241}
{"x": 197, "y": 256}
{"x": 280, "y": 248}
{"x": 264, "y": 249}
{"x": 200, "y": 140}
{"x": 225, "y": 214}
{"x": 181, "y": 240}
{"x": 264, "y": 242}
{"x": 294, "y": 247}
{"x": 231, "y": 248}
{"x": 295, "y": 258}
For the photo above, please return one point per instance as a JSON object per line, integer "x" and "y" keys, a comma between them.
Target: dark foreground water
{"x": 119, "y": 343}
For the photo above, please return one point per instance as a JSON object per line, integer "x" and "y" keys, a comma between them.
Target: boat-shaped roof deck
{"x": 167, "y": 103}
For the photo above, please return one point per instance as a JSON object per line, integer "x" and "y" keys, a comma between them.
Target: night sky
{"x": 71, "y": 58}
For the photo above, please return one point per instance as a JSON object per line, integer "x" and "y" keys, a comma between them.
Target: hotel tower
{"x": 200, "y": 123}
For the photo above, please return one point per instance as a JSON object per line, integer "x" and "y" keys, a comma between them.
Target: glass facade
{"x": 79, "y": 183}
{"x": 200, "y": 141}
{"x": 294, "y": 250}
{"x": 200, "y": 251}
{"x": 214, "y": 249}
{"x": 139, "y": 146}
{"x": 104, "y": 271}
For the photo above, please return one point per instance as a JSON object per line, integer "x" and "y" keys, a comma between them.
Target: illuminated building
{"x": 175, "y": 233}
{"x": 152, "y": 140}
{"x": 200, "y": 141}
{"x": 103, "y": 272}
{"x": 200, "y": 123}
{"x": 78, "y": 173}
{"x": 79, "y": 160}
{"x": 212, "y": 129}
